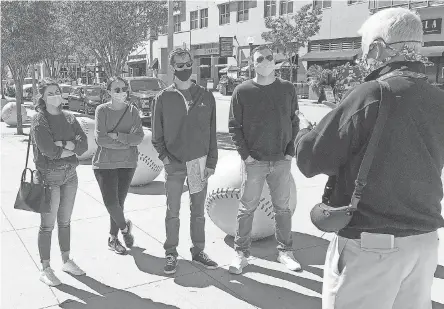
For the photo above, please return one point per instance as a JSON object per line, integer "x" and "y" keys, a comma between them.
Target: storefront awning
{"x": 349, "y": 54}
{"x": 432, "y": 51}
{"x": 136, "y": 62}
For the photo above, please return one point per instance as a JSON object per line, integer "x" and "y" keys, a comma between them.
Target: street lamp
{"x": 250, "y": 41}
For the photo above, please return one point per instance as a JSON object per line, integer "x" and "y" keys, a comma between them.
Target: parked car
{"x": 66, "y": 90}
{"x": 142, "y": 91}
{"x": 87, "y": 98}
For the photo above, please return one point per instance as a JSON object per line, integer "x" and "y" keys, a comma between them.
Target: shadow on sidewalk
{"x": 255, "y": 292}
{"x": 153, "y": 188}
{"x": 85, "y": 162}
{"x": 308, "y": 250}
{"x": 109, "y": 297}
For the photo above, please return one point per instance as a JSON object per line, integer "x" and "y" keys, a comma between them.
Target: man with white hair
{"x": 387, "y": 255}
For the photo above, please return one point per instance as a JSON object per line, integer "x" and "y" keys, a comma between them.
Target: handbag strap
{"x": 121, "y": 117}
{"x": 367, "y": 160}
{"x": 27, "y": 152}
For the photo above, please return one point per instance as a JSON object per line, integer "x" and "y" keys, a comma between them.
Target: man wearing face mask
{"x": 387, "y": 255}
{"x": 184, "y": 135}
{"x": 263, "y": 125}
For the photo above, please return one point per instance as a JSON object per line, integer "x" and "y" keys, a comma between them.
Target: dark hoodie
{"x": 404, "y": 187}
{"x": 183, "y": 134}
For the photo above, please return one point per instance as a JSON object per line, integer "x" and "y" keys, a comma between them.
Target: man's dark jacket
{"x": 404, "y": 186}
{"x": 183, "y": 135}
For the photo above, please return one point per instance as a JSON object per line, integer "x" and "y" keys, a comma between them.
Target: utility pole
{"x": 170, "y": 37}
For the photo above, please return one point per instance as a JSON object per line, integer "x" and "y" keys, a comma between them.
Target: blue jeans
{"x": 63, "y": 184}
{"x": 175, "y": 174}
{"x": 254, "y": 174}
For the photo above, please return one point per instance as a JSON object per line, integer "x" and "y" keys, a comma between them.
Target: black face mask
{"x": 183, "y": 75}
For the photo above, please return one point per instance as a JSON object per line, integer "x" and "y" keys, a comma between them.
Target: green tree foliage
{"x": 110, "y": 30}
{"x": 25, "y": 27}
{"x": 292, "y": 33}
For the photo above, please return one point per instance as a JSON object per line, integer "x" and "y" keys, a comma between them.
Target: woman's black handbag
{"x": 331, "y": 218}
{"x": 32, "y": 196}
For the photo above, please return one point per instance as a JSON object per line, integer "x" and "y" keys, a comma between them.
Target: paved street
{"x": 136, "y": 281}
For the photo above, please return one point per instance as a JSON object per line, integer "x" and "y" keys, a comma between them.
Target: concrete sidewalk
{"x": 136, "y": 281}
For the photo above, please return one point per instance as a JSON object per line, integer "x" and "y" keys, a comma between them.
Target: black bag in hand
{"x": 32, "y": 196}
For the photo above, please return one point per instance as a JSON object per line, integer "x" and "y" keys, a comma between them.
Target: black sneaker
{"x": 170, "y": 265}
{"x": 203, "y": 259}
{"x": 115, "y": 245}
{"x": 128, "y": 238}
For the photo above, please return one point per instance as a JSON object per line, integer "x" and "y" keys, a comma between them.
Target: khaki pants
{"x": 398, "y": 278}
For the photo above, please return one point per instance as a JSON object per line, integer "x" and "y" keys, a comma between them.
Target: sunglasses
{"x": 261, "y": 58}
{"x": 118, "y": 90}
{"x": 181, "y": 65}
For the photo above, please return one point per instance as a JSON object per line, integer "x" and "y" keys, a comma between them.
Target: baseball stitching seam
{"x": 222, "y": 193}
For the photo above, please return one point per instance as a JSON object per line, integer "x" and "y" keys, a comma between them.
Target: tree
{"x": 290, "y": 34}
{"x": 25, "y": 27}
{"x": 59, "y": 44}
{"x": 112, "y": 29}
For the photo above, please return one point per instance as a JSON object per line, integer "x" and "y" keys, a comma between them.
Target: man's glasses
{"x": 118, "y": 90}
{"x": 182, "y": 65}
{"x": 261, "y": 58}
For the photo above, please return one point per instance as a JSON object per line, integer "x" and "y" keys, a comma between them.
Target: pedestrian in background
{"x": 118, "y": 132}
{"x": 263, "y": 125}
{"x": 184, "y": 135}
{"x": 387, "y": 255}
{"x": 56, "y": 139}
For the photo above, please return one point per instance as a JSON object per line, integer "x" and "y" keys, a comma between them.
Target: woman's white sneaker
{"x": 287, "y": 258}
{"x": 72, "y": 268}
{"x": 47, "y": 277}
{"x": 238, "y": 264}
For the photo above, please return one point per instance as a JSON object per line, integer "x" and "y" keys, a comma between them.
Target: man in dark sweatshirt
{"x": 386, "y": 257}
{"x": 184, "y": 131}
{"x": 263, "y": 125}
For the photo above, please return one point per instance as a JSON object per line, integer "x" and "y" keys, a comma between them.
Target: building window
{"x": 194, "y": 20}
{"x": 350, "y": 2}
{"x": 322, "y": 4}
{"x": 285, "y": 7}
{"x": 176, "y": 19}
{"x": 204, "y": 18}
{"x": 242, "y": 11}
{"x": 224, "y": 14}
{"x": 269, "y": 8}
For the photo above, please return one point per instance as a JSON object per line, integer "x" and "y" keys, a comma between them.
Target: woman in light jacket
{"x": 118, "y": 132}
{"x": 56, "y": 139}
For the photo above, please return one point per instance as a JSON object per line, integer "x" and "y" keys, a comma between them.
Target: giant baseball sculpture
{"x": 88, "y": 126}
{"x": 149, "y": 165}
{"x": 222, "y": 202}
{"x": 9, "y": 113}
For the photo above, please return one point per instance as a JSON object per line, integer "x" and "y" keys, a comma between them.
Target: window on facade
{"x": 224, "y": 14}
{"x": 177, "y": 26}
{"x": 269, "y": 8}
{"x": 322, "y": 4}
{"x": 194, "y": 20}
{"x": 285, "y": 7}
{"x": 350, "y": 2}
{"x": 242, "y": 11}
{"x": 204, "y": 18}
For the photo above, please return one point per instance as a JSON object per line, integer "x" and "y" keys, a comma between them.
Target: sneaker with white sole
{"x": 238, "y": 264}
{"x": 71, "y": 268}
{"x": 287, "y": 258}
{"x": 47, "y": 277}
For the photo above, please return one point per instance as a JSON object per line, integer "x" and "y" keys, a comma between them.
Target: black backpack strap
{"x": 27, "y": 152}
{"x": 367, "y": 160}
